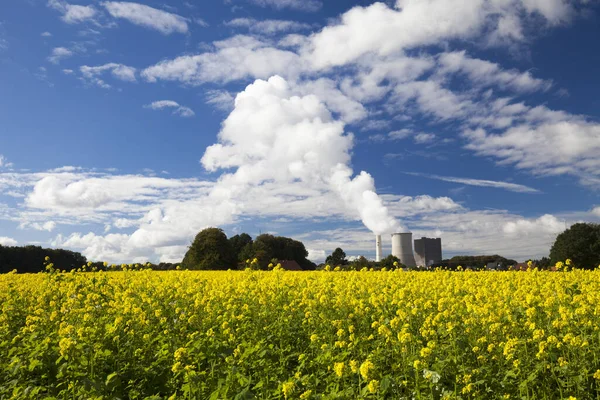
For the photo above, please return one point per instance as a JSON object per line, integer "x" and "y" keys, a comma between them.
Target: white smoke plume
{"x": 274, "y": 135}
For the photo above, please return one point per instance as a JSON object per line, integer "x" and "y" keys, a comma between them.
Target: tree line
{"x": 31, "y": 258}
{"x": 211, "y": 249}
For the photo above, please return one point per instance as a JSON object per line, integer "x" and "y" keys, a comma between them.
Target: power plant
{"x": 429, "y": 251}
{"x": 402, "y": 247}
{"x": 378, "y": 248}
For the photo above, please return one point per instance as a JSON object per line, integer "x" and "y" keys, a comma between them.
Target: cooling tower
{"x": 377, "y": 248}
{"x": 402, "y": 247}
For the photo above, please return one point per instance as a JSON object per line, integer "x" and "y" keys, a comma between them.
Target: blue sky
{"x": 128, "y": 127}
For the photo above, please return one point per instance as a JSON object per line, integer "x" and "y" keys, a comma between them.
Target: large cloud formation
{"x": 274, "y": 135}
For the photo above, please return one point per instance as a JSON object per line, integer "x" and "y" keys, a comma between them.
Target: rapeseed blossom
{"x": 198, "y": 334}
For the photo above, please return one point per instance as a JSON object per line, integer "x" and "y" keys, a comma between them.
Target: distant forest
{"x": 30, "y": 259}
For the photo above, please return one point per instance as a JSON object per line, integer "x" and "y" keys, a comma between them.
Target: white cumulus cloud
{"x": 6, "y": 241}
{"x": 545, "y": 224}
{"x": 381, "y": 30}
{"x": 273, "y": 134}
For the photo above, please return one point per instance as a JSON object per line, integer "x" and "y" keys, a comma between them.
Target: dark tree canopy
{"x": 388, "y": 262}
{"x": 238, "y": 245}
{"x": 31, "y": 259}
{"x": 210, "y": 250}
{"x": 542, "y": 263}
{"x": 338, "y": 257}
{"x": 580, "y": 243}
{"x": 360, "y": 263}
{"x": 267, "y": 247}
{"x": 476, "y": 261}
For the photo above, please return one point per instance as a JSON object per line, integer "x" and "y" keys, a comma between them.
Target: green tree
{"x": 31, "y": 259}
{"x": 580, "y": 243}
{"x": 338, "y": 257}
{"x": 388, "y": 262}
{"x": 542, "y": 263}
{"x": 238, "y": 243}
{"x": 360, "y": 263}
{"x": 267, "y": 247}
{"x": 209, "y": 250}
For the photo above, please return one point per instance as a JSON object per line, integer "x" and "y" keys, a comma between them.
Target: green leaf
{"x": 112, "y": 380}
{"x": 385, "y": 383}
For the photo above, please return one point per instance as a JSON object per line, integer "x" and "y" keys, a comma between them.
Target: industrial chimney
{"x": 402, "y": 247}
{"x": 377, "y": 248}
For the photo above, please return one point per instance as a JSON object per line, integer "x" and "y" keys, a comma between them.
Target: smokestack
{"x": 377, "y": 248}
{"x": 402, "y": 247}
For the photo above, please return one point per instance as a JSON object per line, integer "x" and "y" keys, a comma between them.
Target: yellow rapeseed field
{"x": 307, "y": 335}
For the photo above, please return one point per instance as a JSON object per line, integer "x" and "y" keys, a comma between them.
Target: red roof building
{"x": 290, "y": 265}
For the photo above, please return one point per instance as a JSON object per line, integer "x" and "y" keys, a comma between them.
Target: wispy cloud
{"x": 267, "y": 27}
{"x": 302, "y": 5}
{"x": 119, "y": 71}
{"x": 423, "y": 138}
{"x": 45, "y": 34}
{"x": 148, "y": 17}
{"x": 177, "y": 109}
{"x": 513, "y": 187}
{"x": 4, "y": 162}
{"x": 58, "y": 54}
{"x": 222, "y": 99}
{"x": 73, "y": 14}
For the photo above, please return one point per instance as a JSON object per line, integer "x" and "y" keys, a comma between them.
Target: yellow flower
{"x": 306, "y": 395}
{"x": 177, "y": 367}
{"x": 468, "y": 388}
{"x": 287, "y": 389}
{"x": 180, "y": 353}
{"x": 597, "y": 374}
{"x": 338, "y": 368}
{"x": 559, "y": 265}
{"x": 562, "y": 362}
{"x": 373, "y": 386}
{"x": 366, "y": 368}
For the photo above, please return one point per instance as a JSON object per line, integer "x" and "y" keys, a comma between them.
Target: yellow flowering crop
{"x": 276, "y": 334}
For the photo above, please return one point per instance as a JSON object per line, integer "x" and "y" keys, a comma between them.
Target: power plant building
{"x": 402, "y": 247}
{"x": 428, "y": 251}
{"x": 378, "y": 248}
